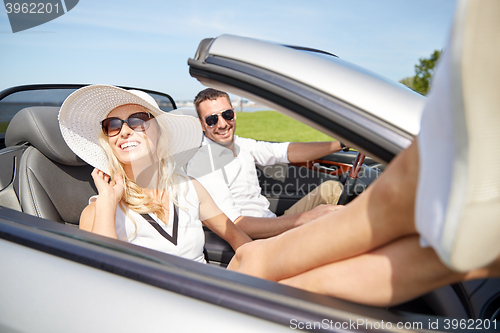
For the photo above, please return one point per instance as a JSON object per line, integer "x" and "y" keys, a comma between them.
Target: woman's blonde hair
{"x": 169, "y": 177}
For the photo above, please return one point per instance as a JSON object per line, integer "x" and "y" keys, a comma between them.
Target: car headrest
{"x": 38, "y": 126}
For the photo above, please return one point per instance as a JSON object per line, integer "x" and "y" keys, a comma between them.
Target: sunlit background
{"x": 146, "y": 44}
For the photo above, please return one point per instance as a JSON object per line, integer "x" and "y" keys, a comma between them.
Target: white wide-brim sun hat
{"x": 81, "y": 114}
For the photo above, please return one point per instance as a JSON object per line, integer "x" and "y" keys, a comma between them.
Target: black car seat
{"x": 48, "y": 179}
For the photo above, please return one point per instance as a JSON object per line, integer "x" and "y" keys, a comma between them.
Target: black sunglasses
{"x": 213, "y": 119}
{"x": 139, "y": 122}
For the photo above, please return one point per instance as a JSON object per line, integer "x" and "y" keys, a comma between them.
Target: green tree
{"x": 408, "y": 81}
{"x": 424, "y": 71}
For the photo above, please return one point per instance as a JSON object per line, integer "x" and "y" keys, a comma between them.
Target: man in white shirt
{"x": 225, "y": 166}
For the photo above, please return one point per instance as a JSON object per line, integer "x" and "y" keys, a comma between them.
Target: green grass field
{"x": 274, "y": 126}
{"x": 268, "y": 126}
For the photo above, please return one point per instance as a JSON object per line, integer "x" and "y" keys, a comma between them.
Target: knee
{"x": 250, "y": 259}
{"x": 330, "y": 188}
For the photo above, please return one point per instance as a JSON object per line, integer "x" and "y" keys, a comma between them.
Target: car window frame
{"x": 332, "y": 116}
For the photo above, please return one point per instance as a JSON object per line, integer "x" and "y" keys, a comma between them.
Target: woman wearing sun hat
{"x": 138, "y": 152}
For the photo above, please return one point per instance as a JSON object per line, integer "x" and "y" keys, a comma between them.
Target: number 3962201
{"x": 31, "y": 8}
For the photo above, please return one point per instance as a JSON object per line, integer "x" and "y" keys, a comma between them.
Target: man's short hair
{"x": 209, "y": 94}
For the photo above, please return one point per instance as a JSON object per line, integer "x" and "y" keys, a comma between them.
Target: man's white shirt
{"x": 232, "y": 181}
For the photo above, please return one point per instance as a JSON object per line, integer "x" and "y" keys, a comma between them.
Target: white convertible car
{"x": 57, "y": 278}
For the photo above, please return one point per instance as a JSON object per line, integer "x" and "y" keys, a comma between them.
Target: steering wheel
{"x": 349, "y": 190}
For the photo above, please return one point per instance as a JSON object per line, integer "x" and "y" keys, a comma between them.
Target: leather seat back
{"x": 53, "y": 183}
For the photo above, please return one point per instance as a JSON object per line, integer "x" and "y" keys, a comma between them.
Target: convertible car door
{"x": 338, "y": 98}
{"x": 365, "y": 111}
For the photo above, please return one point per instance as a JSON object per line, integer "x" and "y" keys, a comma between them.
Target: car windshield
{"x": 12, "y": 102}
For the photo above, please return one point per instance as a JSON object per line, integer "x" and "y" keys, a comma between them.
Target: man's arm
{"x": 264, "y": 227}
{"x": 306, "y": 151}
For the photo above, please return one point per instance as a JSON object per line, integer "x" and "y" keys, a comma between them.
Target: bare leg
{"x": 380, "y": 215}
{"x": 393, "y": 274}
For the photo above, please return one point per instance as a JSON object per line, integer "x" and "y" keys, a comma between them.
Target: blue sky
{"x": 146, "y": 44}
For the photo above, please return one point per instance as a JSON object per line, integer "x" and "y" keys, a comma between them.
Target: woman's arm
{"x": 215, "y": 220}
{"x": 99, "y": 216}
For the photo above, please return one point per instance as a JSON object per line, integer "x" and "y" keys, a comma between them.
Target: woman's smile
{"x": 129, "y": 145}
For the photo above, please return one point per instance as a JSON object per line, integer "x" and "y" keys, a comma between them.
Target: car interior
{"x": 44, "y": 173}
{"x": 40, "y": 176}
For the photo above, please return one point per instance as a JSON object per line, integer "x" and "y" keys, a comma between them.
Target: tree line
{"x": 424, "y": 70}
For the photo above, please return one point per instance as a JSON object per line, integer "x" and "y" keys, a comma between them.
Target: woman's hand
{"x": 108, "y": 188}
{"x": 99, "y": 216}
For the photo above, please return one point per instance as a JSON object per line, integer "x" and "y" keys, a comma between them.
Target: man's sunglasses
{"x": 139, "y": 122}
{"x": 213, "y": 119}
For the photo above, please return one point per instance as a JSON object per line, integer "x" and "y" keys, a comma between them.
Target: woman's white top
{"x": 190, "y": 236}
